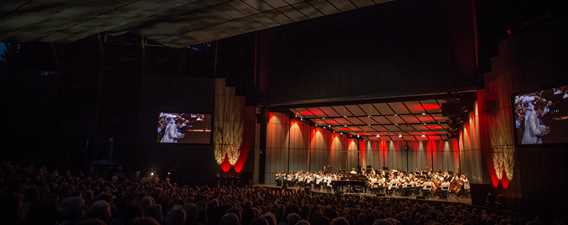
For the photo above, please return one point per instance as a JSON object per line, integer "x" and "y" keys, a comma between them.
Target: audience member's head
{"x": 154, "y": 211}
{"x": 72, "y": 208}
{"x": 176, "y": 216}
{"x": 293, "y": 218}
{"x": 339, "y": 221}
{"x": 145, "y": 221}
{"x": 230, "y": 219}
{"x": 92, "y": 221}
{"x": 303, "y": 222}
{"x": 101, "y": 210}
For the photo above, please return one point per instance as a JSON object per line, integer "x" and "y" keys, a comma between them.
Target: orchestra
{"x": 383, "y": 181}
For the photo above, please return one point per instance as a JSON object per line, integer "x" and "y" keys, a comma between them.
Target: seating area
{"x": 35, "y": 195}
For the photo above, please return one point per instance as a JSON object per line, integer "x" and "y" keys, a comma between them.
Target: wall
{"x": 339, "y": 57}
{"x": 530, "y": 175}
{"x": 66, "y": 101}
{"x": 194, "y": 163}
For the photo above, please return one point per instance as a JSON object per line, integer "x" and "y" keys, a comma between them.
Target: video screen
{"x": 541, "y": 117}
{"x": 189, "y": 128}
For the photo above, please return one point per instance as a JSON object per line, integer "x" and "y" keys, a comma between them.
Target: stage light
{"x": 423, "y": 136}
{"x": 395, "y": 114}
{"x": 378, "y": 135}
{"x": 425, "y": 124}
{"x": 345, "y": 125}
{"x": 323, "y": 118}
{"x": 301, "y": 118}
{"x": 151, "y": 173}
{"x": 423, "y": 113}
{"x": 399, "y": 135}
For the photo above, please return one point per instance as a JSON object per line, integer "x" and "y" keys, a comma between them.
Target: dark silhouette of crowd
{"x": 33, "y": 195}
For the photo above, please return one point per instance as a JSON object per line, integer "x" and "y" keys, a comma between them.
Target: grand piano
{"x": 350, "y": 183}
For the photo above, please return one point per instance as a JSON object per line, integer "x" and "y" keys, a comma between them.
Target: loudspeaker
{"x": 480, "y": 192}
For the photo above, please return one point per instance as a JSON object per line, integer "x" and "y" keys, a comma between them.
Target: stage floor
{"x": 451, "y": 198}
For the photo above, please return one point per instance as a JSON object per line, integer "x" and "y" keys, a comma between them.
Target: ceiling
{"x": 175, "y": 23}
{"x": 406, "y": 120}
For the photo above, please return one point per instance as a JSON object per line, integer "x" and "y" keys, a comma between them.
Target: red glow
{"x": 433, "y": 127}
{"x": 315, "y": 112}
{"x": 504, "y": 182}
{"x": 294, "y": 124}
{"x": 431, "y": 106}
{"x": 414, "y": 106}
{"x": 225, "y": 166}
{"x": 248, "y": 136}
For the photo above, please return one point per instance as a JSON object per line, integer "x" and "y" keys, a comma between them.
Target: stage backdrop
{"x": 292, "y": 145}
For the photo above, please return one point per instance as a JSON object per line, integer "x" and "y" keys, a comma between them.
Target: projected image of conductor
{"x": 541, "y": 117}
{"x": 183, "y": 128}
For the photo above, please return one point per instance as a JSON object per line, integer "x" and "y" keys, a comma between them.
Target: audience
{"x": 31, "y": 195}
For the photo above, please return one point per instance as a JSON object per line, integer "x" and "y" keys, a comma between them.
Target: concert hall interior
{"x": 283, "y": 112}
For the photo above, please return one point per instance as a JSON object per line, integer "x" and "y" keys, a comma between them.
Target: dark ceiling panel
{"x": 356, "y": 110}
{"x": 381, "y": 120}
{"x": 415, "y": 107}
{"x": 380, "y": 128}
{"x": 172, "y": 23}
{"x": 363, "y": 3}
{"x": 392, "y": 128}
{"x": 412, "y": 119}
{"x": 342, "y": 110}
{"x": 395, "y": 119}
{"x": 343, "y": 5}
{"x": 384, "y": 109}
{"x": 329, "y": 111}
{"x": 355, "y": 120}
{"x": 369, "y": 109}
{"x": 342, "y": 121}
{"x": 367, "y": 120}
{"x": 431, "y": 106}
{"x": 398, "y": 107}
{"x": 316, "y": 112}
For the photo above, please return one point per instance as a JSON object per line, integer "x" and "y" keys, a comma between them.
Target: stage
{"x": 451, "y": 198}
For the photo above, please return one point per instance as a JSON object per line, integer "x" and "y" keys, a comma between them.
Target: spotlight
{"x": 323, "y": 118}
{"x": 345, "y": 125}
{"x": 301, "y": 118}
{"x": 425, "y": 124}
{"x": 423, "y": 135}
{"x": 378, "y": 135}
{"x": 423, "y": 113}
{"x": 399, "y": 135}
{"x": 151, "y": 173}
{"x": 395, "y": 114}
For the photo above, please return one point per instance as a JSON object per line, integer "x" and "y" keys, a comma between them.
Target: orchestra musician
{"x": 428, "y": 182}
